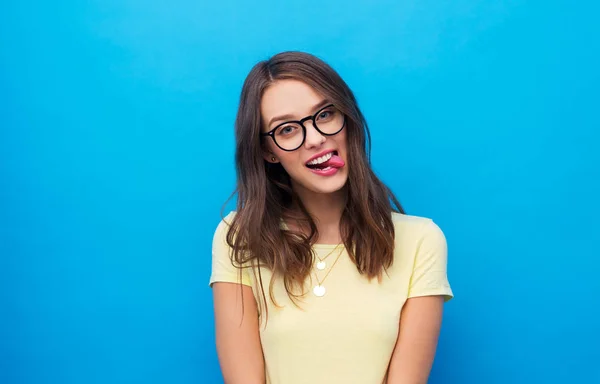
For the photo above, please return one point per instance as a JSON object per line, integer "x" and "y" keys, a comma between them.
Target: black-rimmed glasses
{"x": 290, "y": 135}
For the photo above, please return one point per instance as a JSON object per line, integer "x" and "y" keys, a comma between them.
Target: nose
{"x": 314, "y": 138}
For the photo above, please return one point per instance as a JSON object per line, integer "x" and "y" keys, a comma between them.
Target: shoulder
{"x": 221, "y": 231}
{"x": 227, "y": 219}
{"x": 415, "y": 227}
{"x": 223, "y": 225}
{"x": 422, "y": 251}
{"x": 224, "y": 266}
{"x": 417, "y": 235}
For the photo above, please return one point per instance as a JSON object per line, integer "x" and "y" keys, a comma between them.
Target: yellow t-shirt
{"x": 348, "y": 334}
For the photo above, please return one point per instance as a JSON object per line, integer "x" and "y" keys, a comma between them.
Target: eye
{"x": 324, "y": 115}
{"x": 286, "y": 130}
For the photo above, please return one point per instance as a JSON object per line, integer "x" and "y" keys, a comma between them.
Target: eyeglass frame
{"x": 313, "y": 118}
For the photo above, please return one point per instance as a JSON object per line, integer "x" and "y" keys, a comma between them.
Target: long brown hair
{"x": 265, "y": 195}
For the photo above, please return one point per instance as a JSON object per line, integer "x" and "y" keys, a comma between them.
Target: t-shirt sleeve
{"x": 223, "y": 269}
{"x": 429, "y": 276}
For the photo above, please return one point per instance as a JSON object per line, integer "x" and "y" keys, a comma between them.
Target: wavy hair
{"x": 265, "y": 194}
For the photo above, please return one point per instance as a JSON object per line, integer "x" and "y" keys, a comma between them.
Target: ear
{"x": 270, "y": 157}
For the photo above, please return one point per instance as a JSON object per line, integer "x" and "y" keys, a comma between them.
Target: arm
{"x": 421, "y": 316}
{"x": 413, "y": 355}
{"x": 238, "y": 340}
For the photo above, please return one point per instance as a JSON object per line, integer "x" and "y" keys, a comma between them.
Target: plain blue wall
{"x": 116, "y": 153}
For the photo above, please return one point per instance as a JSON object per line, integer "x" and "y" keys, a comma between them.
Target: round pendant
{"x": 319, "y": 290}
{"x": 321, "y": 265}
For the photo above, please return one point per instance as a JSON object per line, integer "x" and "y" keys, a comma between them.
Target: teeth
{"x": 324, "y": 169}
{"x": 321, "y": 159}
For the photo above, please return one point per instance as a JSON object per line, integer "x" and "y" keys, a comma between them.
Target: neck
{"x": 326, "y": 210}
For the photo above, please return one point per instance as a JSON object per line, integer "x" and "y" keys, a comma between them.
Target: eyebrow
{"x": 289, "y": 116}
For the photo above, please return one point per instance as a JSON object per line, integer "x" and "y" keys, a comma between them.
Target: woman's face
{"x": 319, "y": 164}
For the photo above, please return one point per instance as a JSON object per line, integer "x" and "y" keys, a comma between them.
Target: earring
{"x": 273, "y": 158}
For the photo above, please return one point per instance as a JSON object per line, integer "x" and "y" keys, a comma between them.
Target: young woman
{"x": 319, "y": 276}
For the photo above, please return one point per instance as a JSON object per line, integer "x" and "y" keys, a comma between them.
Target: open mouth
{"x": 327, "y": 162}
{"x": 320, "y": 163}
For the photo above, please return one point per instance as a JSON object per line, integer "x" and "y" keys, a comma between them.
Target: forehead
{"x": 288, "y": 96}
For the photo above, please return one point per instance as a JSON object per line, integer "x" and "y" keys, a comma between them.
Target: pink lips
{"x": 327, "y": 172}
{"x": 330, "y": 167}
{"x": 322, "y": 153}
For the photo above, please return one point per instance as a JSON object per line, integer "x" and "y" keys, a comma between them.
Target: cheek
{"x": 343, "y": 139}
{"x": 340, "y": 140}
{"x": 289, "y": 160}
{"x": 276, "y": 151}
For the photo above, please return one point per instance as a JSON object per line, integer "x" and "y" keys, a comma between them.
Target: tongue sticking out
{"x": 334, "y": 162}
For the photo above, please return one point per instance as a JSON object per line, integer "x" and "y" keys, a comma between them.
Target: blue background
{"x": 116, "y": 153}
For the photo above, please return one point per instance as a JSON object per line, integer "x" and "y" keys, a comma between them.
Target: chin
{"x": 328, "y": 186}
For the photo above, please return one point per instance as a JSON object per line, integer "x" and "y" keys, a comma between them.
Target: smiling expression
{"x": 319, "y": 164}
